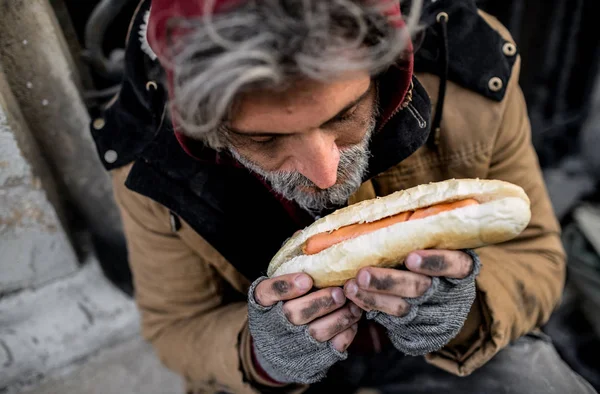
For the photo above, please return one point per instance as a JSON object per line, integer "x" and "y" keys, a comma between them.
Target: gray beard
{"x": 292, "y": 185}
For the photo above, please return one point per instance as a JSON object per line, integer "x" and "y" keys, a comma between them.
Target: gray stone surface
{"x": 34, "y": 247}
{"x": 587, "y": 217}
{"x": 45, "y": 330}
{"x": 585, "y": 271}
{"x": 590, "y": 134}
{"x": 43, "y": 77}
{"x": 567, "y": 184}
{"x": 129, "y": 368}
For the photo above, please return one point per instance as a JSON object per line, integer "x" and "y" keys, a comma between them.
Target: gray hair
{"x": 264, "y": 44}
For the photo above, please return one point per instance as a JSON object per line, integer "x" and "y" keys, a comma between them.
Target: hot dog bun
{"x": 503, "y": 213}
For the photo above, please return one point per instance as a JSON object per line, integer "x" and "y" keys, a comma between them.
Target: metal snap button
{"x": 110, "y": 156}
{"x": 442, "y": 16}
{"x": 495, "y": 84}
{"x": 151, "y": 84}
{"x": 99, "y": 124}
{"x": 509, "y": 49}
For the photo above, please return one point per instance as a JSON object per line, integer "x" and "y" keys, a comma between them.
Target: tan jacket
{"x": 183, "y": 285}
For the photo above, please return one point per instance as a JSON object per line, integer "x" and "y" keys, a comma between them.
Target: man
{"x": 241, "y": 122}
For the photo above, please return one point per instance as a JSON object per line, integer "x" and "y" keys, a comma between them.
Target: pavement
{"x": 77, "y": 335}
{"x": 127, "y": 368}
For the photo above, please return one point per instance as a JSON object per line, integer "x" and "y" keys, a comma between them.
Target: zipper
{"x": 404, "y": 104}
{"x": 408, "y": 105}
{"x": 413, "y": 111}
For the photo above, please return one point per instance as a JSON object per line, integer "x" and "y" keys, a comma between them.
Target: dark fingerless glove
{"x": 288, "y": 353}
{"x": 434, "y": 318}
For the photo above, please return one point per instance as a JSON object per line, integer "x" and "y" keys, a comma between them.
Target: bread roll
{"x": 502, "y": 214}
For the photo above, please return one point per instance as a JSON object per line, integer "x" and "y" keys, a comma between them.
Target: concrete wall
{"x": 60, "y": 324}
{"x": 56, "y": 308}
{"x": 34, "y": 248}
{"x": 43, "y": 77}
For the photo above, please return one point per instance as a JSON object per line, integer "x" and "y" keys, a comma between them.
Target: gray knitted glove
{"x": 288, "y": 353}
{"x": 434, "y": 318}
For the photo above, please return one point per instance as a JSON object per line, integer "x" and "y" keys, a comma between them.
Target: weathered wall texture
{"x": 33, "y": 245}
{"x": 47, "y": 329}
{"x": 44, "y": 80}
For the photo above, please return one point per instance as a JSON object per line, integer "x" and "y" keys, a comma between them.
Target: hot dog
{"x": 453, "y": 214}
{"x": 320, "y": 242}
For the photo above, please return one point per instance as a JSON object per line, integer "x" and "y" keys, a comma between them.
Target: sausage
{"x": 438, "y": 208}
{"x": 322, "y": 241}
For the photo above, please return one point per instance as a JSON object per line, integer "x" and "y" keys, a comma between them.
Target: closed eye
{"x": 342, "y": 117}
{"x": 262, "y": 139}
{"x": 253, "y": 138}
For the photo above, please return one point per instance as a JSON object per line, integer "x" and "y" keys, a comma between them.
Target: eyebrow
{"x": 332, "y": 119}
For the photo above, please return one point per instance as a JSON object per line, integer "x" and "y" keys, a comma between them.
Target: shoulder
{"x": 474, "y": 111}
{"x": 481, "y": 52}
{"x": 137, "y": 209}
{"x": 495, "y": 24}
{"x": 482, "y": 74}
{"x": 126, "y": 125}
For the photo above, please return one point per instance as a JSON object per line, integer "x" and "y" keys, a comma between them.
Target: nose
{"x": 318, "y": 158}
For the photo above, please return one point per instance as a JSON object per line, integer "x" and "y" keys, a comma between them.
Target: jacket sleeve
{"x": 521, "y": 281}
{"x": 184, "y": 302}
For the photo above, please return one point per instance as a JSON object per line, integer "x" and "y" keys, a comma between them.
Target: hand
{"x": 297, "y": 336}
{"x": 385, "y": 289}
{"x": 423, "y": 308}
{"x": 324, "y": 312}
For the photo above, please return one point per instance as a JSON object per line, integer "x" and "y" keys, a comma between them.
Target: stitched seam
{"x": 429, "y": 162}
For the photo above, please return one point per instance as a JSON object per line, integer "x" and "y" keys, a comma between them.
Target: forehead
{"x": 304, "y": 104}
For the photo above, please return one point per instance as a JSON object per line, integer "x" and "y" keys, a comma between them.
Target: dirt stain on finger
{"x": 385, "y": 283}
{"x": 341, "y": 324}
{"x": 280, "y": 287}
{"x": 403, "y": 309}
{"x": 316, "y": 306}
{"x": 367, "y": 300}
{"x": 434, "y": 263}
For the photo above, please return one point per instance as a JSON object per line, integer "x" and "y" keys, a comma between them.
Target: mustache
{"x": 293, "y": 185}
{"x": 348, "y": 157}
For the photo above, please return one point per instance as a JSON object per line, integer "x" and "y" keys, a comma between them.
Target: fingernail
{"x": 302, "y": 282}
{"x": 354, "y": 327}
{"x": 338, "y": 295}
{"x": 355, "y": 310}
{"x": 364, "y": 278}
{"x": 413, "y": 261}
{"x": 351, "y": 288}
